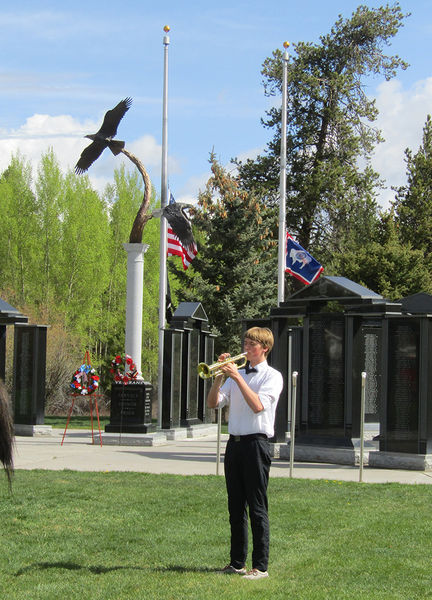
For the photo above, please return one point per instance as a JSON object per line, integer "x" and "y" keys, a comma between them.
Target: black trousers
{"x": 247, "y": 467}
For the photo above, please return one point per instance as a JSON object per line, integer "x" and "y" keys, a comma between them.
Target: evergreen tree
{"x": 386, "y": 266}
{"x": 329, "y": 120}
{"x": 234, "y": 274}
{"x": 413, "y": 203}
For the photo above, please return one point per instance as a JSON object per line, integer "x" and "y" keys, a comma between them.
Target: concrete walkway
{"x": 194, "y": 456}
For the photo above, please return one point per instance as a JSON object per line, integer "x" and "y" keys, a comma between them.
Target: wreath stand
{"x": 87, "y": 362}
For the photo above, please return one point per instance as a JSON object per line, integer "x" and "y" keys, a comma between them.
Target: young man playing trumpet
{"x": 252, "y": 394}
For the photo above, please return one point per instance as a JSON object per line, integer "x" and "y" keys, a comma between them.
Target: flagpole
{"x": 163, "y": 225}
{"x": 282, "y": 183}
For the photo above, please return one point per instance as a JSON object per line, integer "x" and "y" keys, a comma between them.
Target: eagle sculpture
{"x": 179, "y": 222}
{"x": 104, "y": 137}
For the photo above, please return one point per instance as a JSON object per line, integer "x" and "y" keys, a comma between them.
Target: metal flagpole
{"x": 163, "y": 225}
{"x": 282, "y": 184}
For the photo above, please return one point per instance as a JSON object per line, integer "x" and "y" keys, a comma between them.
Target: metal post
{"x": 362, "y": 418}
{"x": 282, "y": 183}
{"x": 219, "y": 426}
{"x": 293, "y": 420}
{"x": 163, "y": 226}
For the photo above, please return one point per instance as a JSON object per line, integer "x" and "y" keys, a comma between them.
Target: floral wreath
{"x": 123, "y": 369}
{"x": 84, "y": 380}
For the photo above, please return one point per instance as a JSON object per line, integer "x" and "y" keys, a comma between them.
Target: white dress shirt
{"x": 268, "y": 384}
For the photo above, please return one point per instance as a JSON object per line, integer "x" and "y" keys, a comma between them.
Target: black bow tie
{"x": 250, "y": 369}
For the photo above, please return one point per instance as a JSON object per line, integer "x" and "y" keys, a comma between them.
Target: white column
{"x": 134, "y": 301}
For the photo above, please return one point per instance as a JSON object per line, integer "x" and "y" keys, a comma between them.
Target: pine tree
{"x": 386, "y": 266}
{"x": 234, "y": 274}
{"x": 329, "y": 125}
{"x": 413, "y": 203}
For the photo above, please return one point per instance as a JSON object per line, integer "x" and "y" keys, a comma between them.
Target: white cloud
{"x": 402, "y": 116}
{"x": 65, "y": 135}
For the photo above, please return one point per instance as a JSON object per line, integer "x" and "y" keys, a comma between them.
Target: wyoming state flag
{"x": 300, "y": 263}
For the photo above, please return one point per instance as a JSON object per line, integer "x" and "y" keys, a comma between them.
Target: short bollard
{"x": 218, "y": 445}
{"x": 362, "y": 418}
{"x": 293, "y": 420}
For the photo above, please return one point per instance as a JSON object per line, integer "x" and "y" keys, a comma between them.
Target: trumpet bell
{"x": 207, "y": 371}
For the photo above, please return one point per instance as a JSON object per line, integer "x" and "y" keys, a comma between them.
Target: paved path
{"x": 195, "y": 456}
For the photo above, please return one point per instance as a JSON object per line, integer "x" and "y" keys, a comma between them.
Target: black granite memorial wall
{"x": 190, "y": 391}
{"x": 29, "y": 374}
{"x": 340, "y": 337}
{"x": 324, "y": 378}
{"x": 8, "y": 316}
{"x": 187, "y": 342}
{"x": 172, "y": 378}
{"x": 408, "y": 386}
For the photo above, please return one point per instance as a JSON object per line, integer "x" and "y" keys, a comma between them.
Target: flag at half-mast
{"x": 300, "y": 263}
{"x": 176, "y": 248}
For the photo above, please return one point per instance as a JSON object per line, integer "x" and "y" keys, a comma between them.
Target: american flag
{"x": 176, "y": 248}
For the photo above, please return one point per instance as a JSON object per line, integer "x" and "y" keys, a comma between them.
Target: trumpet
{"x": 206, "y": 371}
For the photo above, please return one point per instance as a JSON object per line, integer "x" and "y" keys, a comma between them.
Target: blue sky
{"x": 63, "y": 65}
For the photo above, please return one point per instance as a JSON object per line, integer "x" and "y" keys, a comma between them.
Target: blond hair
{"x": 262, "y": 335}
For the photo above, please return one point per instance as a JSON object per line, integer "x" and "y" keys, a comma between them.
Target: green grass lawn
{"x": 75, "y": 422}
{"x": 120, "y": 536}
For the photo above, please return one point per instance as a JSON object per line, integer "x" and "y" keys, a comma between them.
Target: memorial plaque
{"x": 176, "y": 380}
{"x": 130, "y": 408}
{"x": 193, "y": 378}
{"x": 204, "y": 384}
{"x": 29, "y": 374}
{"x": 326, "y": 369}
{"x": 367, "y": 358}
{"x": 402, "y": 423}
{"x": 372, "y": 353}
{"x": 172, "y": 378}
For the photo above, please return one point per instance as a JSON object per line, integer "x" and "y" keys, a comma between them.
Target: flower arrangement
{"x": 123, "y": 369}
{"x": 85, "y": 380}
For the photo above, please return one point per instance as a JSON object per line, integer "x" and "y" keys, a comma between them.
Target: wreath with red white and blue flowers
{"x": 124, "y": 369}
{"x": 85, "y": 380}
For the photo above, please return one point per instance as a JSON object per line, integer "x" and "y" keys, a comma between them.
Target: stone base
{"x": 326, "y": 454}
{"x": 193, "y": 431}
{"x": 132, "y": 439}
{"x": 32, "y": 430}
{"x": 196, "y": 431}
{"x": 177, "y": 433}
{"x": 156, "y": 438}
{"x": 400, "y": 460}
